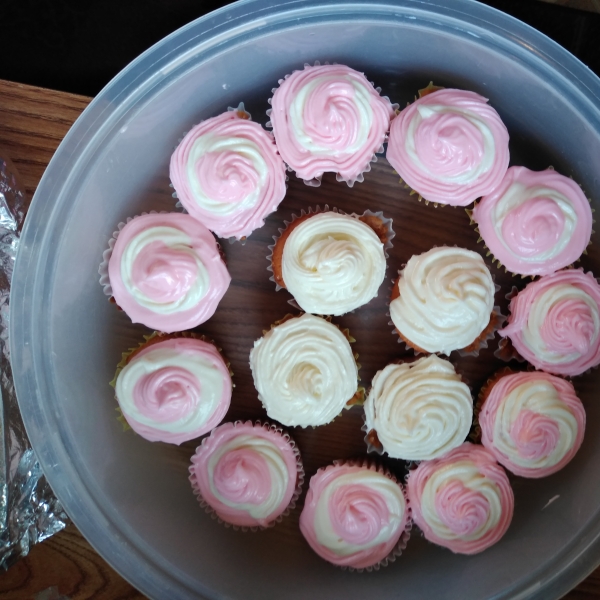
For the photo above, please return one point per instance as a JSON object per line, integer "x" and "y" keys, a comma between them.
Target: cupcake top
{"x": 555, "y": 322}
{"x": 354, "y": 515}
{"x": 533, "y": 423}
{"x": 450, "y": 146}
{"x": 228, "y": 175}
{"x": 166, "y": 272}
{"x": 249, "y": 474}
{"x": 419, "y": 410}
{"x": 329, "y": 118}
{"x": 535, "y": 222}
{"x": 174, "y": 390}
{"x": 462, "y": 501}
{"x": 446, "y": 299}
{"x": 304, "y": 371}
{"x": 332, "y": 263}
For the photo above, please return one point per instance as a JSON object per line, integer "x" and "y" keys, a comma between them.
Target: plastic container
{"x": 131, "y": 499}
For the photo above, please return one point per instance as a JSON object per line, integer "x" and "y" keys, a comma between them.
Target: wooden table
{"x": 33, "y": 121}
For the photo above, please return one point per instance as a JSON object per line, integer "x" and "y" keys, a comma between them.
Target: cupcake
{"x": 228, "y": 175}
{"x": 462, "y": 501}
{"x": 248, "y": 474}
{"x": 166, "y": 272}
{"x": 533, "y": 423}
{"x": 450, "y": 146}
{"x": 173, "y": 389}
{"x": 355, "y": 515}
{"x": 555, "y": 323}
{"x": 535, "y": 223}
{"x": 330, "y": 262}
{"x": 304, "y": 371}
{"x": 419, "y": 410}
{"x": 443, "y": 300}
{"x": 329, "y": 118}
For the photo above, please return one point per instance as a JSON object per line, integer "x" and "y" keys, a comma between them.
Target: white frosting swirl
{"x": 304, "y": 371}
{"x": 333, "y": 264}
{"x": 419, "y": 410}
{"x": 176, "y": 241}
{"x": 446, "y": 299}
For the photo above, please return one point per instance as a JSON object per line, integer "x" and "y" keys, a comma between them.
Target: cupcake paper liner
{"x": 299, "y": 481}
{"x": 404, "y": 537}
{"x": 386, "y": 222}
{"x": 316, "y": 182}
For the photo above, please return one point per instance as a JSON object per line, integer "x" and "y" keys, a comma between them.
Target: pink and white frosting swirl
{"x": 450, "y": 146}
{"x": 533, "y": 423}
{"x": 166, "y": 272}
{"x": 353, "y": 515}
{"x": 462, "y": 501}
{"x": 228, "y": 175}
{"x": 175, "y": 390}
{"x": 247, "y": 473}
{"x": 555, "y": 322}
{"x": 329, "y": 118}
{"x": 535, "y": 222}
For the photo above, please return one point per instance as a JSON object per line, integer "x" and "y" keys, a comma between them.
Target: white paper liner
{"x": 404, "y": 536}
{"x": 316, "y": 181}
{"x": 386, "y": 221}
{"x": 299, "y": 481}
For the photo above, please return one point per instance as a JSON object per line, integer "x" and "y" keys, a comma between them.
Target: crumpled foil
{"x": 29, "y": 511}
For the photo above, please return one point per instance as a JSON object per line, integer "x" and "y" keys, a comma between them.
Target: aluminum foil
{"x": 29, "y": 511}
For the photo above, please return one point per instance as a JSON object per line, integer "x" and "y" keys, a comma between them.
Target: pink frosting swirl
{"x": 329, "y": 118}
{"x": 535, "y": 223}
{"x": 354, "y": 515}
{"x": 450, "y": 146}
{"x": 462, "y": 501}
{"x": 524, "y": 431}
{"x": 555, "y": 322}
{"x": 246, "y": 473}
{"x": 163, "y": 386}
{"x": 228, "y": 175}
{"x": 159, "y": 286}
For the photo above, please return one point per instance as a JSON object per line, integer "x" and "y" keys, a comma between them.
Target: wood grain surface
{"x": 32, "y": 123}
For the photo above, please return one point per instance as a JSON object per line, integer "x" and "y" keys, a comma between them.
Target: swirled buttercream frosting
{"x": 419, "y": 410}
{"x": 445, "y": 301}
{"x": 329, "y": 118}
{"x": 228, "y": 175}
{"x": 555, "y": 322}
{"x": 450, "y": 146}
{"x": 166, "y": 272}
{"x": 462, "y": 501}
{"x": 535, "y": 222}
{"x": 304, "y": 371}
{"x": 353, "y": 516}
{"x": 174, "y": 390}
{"x": 332, "y": 263}
{"x": 247, "y": 473}
{"x": 533, "y": 423}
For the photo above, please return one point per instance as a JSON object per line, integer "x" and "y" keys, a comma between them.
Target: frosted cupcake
{"x": 450, "y": 146}
{"x": 330, "y": 262}
{"x": 535, "y": 223}
{"x": 555, "y": 322}
{"x": 533, "y": 423}
{"x": 355, "y": 516}
{"x": 228, "y": 175}
{"x": 304, "y": 371}
{"x": 419, "y": 410}
{"x": 443, "y": 300}
{"x": 249, "y": 474}
{"x": 329, "y": 118}
{"x": 166, "y": 272}
{"x": 173, "y": 389}
{"x": 462, "y": 501}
